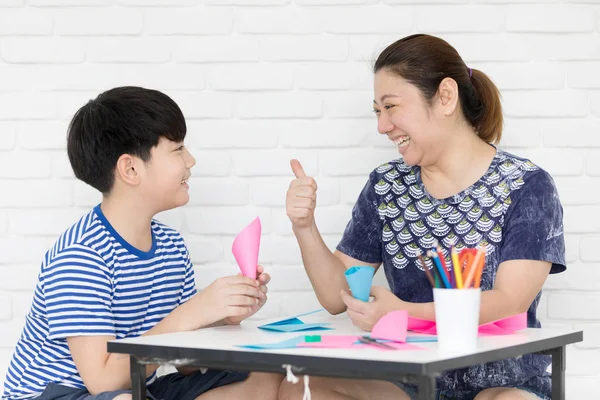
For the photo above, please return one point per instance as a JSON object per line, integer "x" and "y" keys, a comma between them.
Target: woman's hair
{"x": 425, "y": 60}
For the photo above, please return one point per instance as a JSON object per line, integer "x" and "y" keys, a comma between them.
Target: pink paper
{"x": 494, "y": 331}
{"x": 430, "y": 331}
{"x": 504, "y": 326}
{"x": 392, "y": 326}
{"x": 396, "y": 346}
{"x": 245, "y": 248}
{"x": 345, "y": 342}
{"x": 417, "y": 324}
{"x": 515, "y": 323}
{"x": 332, "y": 342}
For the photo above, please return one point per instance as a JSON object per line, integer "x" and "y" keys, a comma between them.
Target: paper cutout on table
{"x": 360, "y": 279}
{"x": 421, "y": 339}
{"x": 395, "y": 345}
{"x": 245, "y": 248}
{"x": 285, "y": 344}
{"x": 332, "y": 342}
{"x": 392, "y": 326}
{"x": 295, "y": 324}
{"x": 504, "y": 326}
{"x": 329, "y": 342}
{"x": 421, "y": 325}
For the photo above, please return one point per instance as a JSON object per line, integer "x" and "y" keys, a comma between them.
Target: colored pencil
{"x": 438, "y": 264}
{"x": 443, "y": 261}
{"x": 473, "y": 267}
{"x": 457, "y": 268}
{"x": 479, "y": 272}
{"x": 427, "y": 272}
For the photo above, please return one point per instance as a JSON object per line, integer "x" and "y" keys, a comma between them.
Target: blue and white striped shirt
{"x": 92, "y": 282}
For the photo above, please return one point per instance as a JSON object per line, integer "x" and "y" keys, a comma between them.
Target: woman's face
{"x": 406, "y": 118}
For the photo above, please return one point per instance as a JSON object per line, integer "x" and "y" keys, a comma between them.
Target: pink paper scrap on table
{"x": 245, "y": 248}
{"x": 345, "y": 342}
{"x": 504, "y": 326}
{"x": 391, "y": 328}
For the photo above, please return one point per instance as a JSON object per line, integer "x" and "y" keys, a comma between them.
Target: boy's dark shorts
{"x": 168, "y": 387}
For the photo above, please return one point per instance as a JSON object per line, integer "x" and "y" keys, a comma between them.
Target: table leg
{"x": 138, "y": 379}
{"x": 558, "y": 372}
{"x": 426, "y": 387}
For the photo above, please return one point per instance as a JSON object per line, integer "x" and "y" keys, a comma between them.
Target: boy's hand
{"x": 231, "y": 296}
{"x": 263, "y": 280}
{"x": 301, "y": 198}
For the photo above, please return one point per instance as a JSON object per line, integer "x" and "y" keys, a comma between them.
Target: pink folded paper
{"x": 504, "y": 326}
{"x": 421, "y": 325}
{"x": 395, "y": 345}
{"x": 392, "y": 326}
{"x": 245, "y": 248}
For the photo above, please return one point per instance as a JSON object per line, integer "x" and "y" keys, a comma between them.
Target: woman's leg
{"x": 258, "y": 386}
{"x": 342, "y": 389}
{"x": 506, "y": 394}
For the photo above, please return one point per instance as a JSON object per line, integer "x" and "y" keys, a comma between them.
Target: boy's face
{"x": 167, "y": 173}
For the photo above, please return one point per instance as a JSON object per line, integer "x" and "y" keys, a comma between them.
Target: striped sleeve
{"x": 78, "y": 292}
{"x": 189, "y": 287}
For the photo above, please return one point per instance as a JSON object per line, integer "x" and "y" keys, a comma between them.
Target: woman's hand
{"x": 365, "y": 315}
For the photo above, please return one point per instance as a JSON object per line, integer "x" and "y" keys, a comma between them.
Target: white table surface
{"x": 228, "y": 338}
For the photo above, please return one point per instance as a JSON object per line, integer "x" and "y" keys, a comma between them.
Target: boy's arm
{"x": 102, "y": 371}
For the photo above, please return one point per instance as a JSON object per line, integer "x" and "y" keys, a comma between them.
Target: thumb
{"x": 297, "y": 168}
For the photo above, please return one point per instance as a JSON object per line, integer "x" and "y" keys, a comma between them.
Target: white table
{"x": 217, "y": 348}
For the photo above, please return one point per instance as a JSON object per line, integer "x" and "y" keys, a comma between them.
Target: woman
{"x": 451, "y": 186}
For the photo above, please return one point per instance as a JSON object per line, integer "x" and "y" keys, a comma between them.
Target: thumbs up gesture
{"x": 301, "y": 198}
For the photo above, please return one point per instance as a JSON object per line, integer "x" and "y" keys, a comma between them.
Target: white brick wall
{"x": 261, "y": 81}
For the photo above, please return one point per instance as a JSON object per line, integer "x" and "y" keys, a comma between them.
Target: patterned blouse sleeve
{"x": 533, "y": 228}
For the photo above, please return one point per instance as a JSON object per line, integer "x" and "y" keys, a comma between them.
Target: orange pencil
{"x": 473, "y": 267}
{"x": 465, "y": 258}
{"x": 479, "y": 272}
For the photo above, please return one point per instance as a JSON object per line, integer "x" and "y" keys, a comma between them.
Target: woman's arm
{"x": 325, "y": 269}
{"x": 517, "y": 284}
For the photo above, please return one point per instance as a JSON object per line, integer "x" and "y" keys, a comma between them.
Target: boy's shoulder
{"x": 82, "y": 234}
{"x": 88, "y": 238}
{"x": 168, "y": 236}
{"x": 167, "y": 230}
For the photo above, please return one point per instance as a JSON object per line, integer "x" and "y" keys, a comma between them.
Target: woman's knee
{"x": 265, "y": 384}
{"x": 505, "y": 394}
{"x": 124, "y": 396}
{"x": 363, "y": 389}
{"x": 295, "y": 391}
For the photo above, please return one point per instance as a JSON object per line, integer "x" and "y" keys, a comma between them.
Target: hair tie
{"x": 470, "y": 72}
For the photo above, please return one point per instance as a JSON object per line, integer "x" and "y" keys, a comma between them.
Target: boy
{"x": 119, "y": 273}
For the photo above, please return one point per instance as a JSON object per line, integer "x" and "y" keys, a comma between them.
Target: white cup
{"x": 457, "y": 318}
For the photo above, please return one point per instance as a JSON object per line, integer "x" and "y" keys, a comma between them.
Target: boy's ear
{"x": 126, "y": 170}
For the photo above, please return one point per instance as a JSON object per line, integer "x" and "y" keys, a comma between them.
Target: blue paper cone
{"x": 360, "y": 279}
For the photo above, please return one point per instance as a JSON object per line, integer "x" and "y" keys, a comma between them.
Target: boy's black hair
{"x": 123, "y": 120}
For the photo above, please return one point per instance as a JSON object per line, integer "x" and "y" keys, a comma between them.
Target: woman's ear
{"x": 448, "y": 96}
